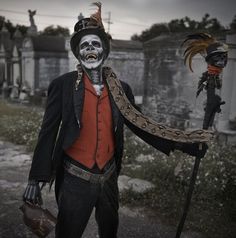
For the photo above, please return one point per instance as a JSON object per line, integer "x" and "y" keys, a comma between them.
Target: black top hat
{"x": 216, "y": 48}
{"x": 91, "y": 25}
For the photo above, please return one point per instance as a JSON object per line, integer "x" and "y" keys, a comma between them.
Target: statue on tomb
{"x": 31, "y": 17}
{"x": 32, "y": 30}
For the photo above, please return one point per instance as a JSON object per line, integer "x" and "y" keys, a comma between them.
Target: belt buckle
{"x": 85, "y": 175}
{"x": 102, "y": 180}
{"x": 97, "y": 179}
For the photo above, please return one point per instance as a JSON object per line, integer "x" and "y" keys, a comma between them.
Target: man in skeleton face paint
{"x": 91, "y": 52}
{"x": 91, "y": 57}
{"x": 80, "y": 144}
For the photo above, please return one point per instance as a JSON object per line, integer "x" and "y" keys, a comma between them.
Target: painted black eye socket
{"x": 84, "y": 45}
{"x": 96, "y": 44}
{"x": 219, "y": 57}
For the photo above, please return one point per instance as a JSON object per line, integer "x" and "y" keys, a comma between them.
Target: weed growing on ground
{"x": 213, "y": 209}
{"x": 20, "y": 125}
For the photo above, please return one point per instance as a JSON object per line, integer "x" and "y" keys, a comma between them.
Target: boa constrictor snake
{"x": 143, "y": 122}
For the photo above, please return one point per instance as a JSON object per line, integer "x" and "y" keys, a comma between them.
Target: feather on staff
{"x": 196, "y": 44}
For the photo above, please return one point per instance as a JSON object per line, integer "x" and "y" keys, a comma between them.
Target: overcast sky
{"x": 128, "y": 16}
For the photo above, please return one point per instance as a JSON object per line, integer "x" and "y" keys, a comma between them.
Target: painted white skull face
{"x": 91, "y": 51}
{"x": 218, "y": 59}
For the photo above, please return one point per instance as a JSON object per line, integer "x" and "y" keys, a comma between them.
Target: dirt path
{"x": 14, "y": 167}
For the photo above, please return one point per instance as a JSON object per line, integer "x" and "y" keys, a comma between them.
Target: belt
{"x": 88, "y": 176}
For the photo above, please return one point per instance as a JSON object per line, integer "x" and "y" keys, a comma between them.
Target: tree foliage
{"x": 12, "y": 28}
{"x": 233, "y": 24}
{"x": 185, "y": 24}
{"x": 50, "y": 30}
{"x": 153, "y": 31}
{"x": 55, "y": 31}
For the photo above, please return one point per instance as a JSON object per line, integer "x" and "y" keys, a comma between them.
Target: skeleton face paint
{"x": 218, "y": 60}
{"x": 91, "y": 52}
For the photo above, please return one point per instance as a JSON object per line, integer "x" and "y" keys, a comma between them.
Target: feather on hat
{"x": 90, "y": 25}
{"x": 97, "y": 15}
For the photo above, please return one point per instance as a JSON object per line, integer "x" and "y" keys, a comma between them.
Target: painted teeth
{"x": 91, "y": 56}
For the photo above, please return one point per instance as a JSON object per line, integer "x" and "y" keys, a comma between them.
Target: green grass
{"x": 20, "y": 125}
{"x": 213, "y": 209}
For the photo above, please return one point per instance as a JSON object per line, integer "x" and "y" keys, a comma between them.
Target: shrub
{"x": 213, "y": 203}
{"x": 214, "y": 200}
{"x": 20, "y": 125}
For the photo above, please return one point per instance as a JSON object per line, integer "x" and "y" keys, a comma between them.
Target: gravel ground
{"x": 14, "y": 168}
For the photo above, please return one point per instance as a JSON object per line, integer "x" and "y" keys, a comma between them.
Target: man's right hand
{"x": 194, "y": 149}
{"x": 32, "y": 193}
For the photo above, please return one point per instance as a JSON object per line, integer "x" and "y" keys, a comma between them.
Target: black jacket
{"x": 61, "y": 126}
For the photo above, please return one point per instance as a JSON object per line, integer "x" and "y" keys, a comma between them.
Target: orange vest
{"x": 95, "y": 143}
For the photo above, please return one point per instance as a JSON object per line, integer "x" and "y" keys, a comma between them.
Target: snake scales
{"x": 143, "y": 122}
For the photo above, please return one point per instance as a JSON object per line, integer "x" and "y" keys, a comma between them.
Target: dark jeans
{"x": 78, "y": 197}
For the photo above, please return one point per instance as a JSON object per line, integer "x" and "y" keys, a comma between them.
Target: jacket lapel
{"x": 115, "y": 112}
{"x": 114, "y": 108}
{"x": 78, "y": 99}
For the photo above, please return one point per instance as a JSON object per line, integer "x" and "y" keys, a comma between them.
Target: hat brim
{"x": 76, "y": 37}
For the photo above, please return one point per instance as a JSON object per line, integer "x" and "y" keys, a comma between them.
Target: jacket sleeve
{"x": 163, "y": 145}
{"x": 41, "y": 167}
